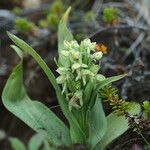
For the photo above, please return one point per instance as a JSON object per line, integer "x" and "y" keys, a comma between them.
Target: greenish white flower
{"x": 76, "y": 100}
{"x": 97, "y": 55}
{"x": 78, "y": 77}
{"x": 74, "y": 54}
{"x": 72, "y": 45}
{"x": 100, "y": 77}
{"x": 62, "y": 70}
{"x": 79, "y": 95}
{"x": 82, "y": 66}
{"x": 61, "y": 79}
{"x": 84, "y": 74}
{"x": 88, "y": 45}
{"x": 64, "y": 87}
{"x": 75, "y": 66}
{"x": 65, "y": 53}
{"x": 94, "y": 68}
{"x": 71, "y": 53}
{"x": 64, "y": 75}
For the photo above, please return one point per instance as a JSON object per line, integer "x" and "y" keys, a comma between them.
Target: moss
{"x": 23, "y": 25}
{"x": 110, "y": 14}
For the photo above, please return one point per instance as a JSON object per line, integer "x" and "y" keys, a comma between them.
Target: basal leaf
{"x": 18, "y": 51}
{"x": 25, "y": 48}
{"x": 16, "y": 144}
{"x": 97, "y": 124}
{"x": 37, "y": 140}
{"x": 47, "y": 146}
{"x": 116, "y": 126}
{"x": 62, "y": 101}
{"x": 63, "y": 34}
{"x": 33, "y": 113}
{"x": 109, "y": 80}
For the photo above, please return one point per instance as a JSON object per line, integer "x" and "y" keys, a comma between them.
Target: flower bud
{"x": 75, "y": 54}
{"x": 62, "y": 70}
{"x": 100, "y": 77}
{"x": 61, "y": 79}
{"x": 72, "y": 45}
{"x": 88, "y": 45}
{"x": 97, "y": 55}
{"x": 65, "y": 53}
{"x": 75, "y": 66}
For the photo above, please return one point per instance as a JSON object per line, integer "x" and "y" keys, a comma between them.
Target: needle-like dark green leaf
{"x": 101, "y": 85}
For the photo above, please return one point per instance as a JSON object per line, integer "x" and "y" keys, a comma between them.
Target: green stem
{"x": 140, "y": 133}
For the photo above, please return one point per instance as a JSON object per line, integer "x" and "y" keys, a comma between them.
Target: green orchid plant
{"x": 77, "y": 89}
{"x": 35, "y": 143}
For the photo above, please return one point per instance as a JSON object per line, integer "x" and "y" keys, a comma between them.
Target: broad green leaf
{"x": 37, "y": 140}
{"x": 47, "y": 146}
{"x": 24, "y": 47}
{"x": 16, "y": 144}
{"x": 63, "y": 34}
{"x": 97, "y": 124}
{"x": 33, "y": 113}
{"x": 62, "y": 101}
{"x": 116, "y": 126}
{"x": 109, "y": 80}
{"x": 18, "y": 51}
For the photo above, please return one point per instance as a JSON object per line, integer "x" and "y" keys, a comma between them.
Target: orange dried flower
{"x": 110, "y": 98}
{"x": 101, "y": 48}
